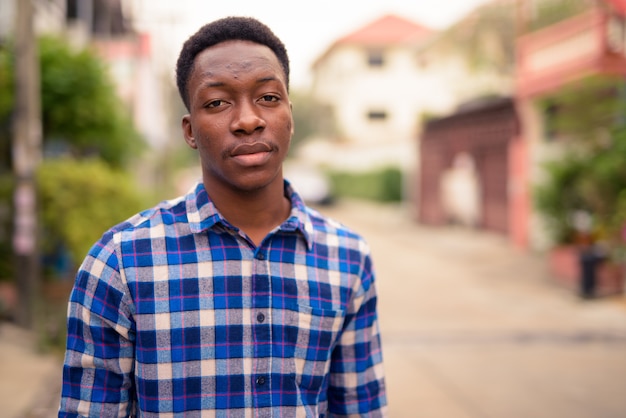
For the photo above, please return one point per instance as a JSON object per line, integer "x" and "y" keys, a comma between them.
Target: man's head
{"x": 232, "y": 76}
{"x": 226, "y": 29}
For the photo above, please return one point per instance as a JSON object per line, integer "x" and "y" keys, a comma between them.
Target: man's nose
{"x": 247, "y": 119}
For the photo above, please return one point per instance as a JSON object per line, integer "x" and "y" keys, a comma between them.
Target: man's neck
{"x": 257, "y": 212}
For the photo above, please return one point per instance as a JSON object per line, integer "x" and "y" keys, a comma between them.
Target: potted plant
{"x": 583, "y": 197}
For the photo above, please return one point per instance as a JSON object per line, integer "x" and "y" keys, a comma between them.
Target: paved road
{"x": 472, "y": 328}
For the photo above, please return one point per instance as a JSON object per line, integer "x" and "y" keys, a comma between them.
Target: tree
{"x": 311, "y": 119}
{"x": 549, "y": 12}
{"x": 82, "y": 118}
{"x": 81, "y": 113}
{"x": 7, "y": 88}
{"x": 591, "y": 175}
{"x": 79, "y": 201}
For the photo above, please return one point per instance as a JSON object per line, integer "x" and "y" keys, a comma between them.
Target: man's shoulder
{"x": 140, "y": 225}
{"x": 324, "y": 225}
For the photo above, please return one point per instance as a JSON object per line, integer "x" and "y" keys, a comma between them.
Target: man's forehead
{"x": 236, "y": 57}
{"x": 237, "y": 47}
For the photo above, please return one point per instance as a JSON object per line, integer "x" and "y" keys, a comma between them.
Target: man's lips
{"x": 252, "y": 155}
{"x": 248, "y": 149}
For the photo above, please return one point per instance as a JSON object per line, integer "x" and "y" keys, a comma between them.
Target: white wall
{"x": 400, "y": 88}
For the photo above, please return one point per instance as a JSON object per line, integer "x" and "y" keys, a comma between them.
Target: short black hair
{"x": 226, "y": 29}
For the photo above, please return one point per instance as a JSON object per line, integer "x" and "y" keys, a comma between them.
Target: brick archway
{"x": 484, "y": 131}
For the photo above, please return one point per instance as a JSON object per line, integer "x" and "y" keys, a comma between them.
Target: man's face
{"x": 240, "y": 117}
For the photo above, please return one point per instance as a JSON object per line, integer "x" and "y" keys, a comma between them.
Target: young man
{"x": 236, "y": 299}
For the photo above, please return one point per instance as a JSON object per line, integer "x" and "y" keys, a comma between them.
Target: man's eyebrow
{"x": 266, "y": 79}
{"x": 217, "y": 84}
{"x": 210, "y": 84}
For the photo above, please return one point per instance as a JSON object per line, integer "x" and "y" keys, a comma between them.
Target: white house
{"x": 383, "y": 80}
{"x": 371, "y": 79}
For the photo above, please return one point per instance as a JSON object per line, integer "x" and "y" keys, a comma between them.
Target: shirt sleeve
{"x": 99, "y": 358}
{"x": 357, "y": 385}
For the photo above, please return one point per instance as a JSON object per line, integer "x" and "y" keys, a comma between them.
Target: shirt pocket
{"x": 314, "y": 338}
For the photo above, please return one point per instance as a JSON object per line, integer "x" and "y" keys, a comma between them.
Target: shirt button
{"x": 260, "y": 256}
{"x": 260, "y": 317}
{"x": 260, "y": 380}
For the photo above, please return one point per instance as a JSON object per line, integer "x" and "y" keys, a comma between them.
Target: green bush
{"x": 591, "y": 175}
{"x": 6, "y": 222}
{"x": 311, "y": 119}
{"x": 559, "y": 197}
{"x": 549, "y": 12}
{"x": 81, "y": 112}
{"x": 383, "y": 185}
{"x": 79, "y": 200}
{"x": 80, "y": 104}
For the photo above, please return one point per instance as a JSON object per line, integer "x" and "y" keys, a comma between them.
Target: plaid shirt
{"x": 175, "y": 313}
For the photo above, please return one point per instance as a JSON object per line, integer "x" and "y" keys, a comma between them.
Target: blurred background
{"x": 479, "y": 146}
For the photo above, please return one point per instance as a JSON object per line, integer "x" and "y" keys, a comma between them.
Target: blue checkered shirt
{"x": 175, "y": 312}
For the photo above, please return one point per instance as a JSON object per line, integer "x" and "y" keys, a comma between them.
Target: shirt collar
{"x": 203, "y": 215}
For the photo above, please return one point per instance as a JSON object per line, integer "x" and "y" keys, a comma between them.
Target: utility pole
{"x": 26, "y": 153}
{"x": 521, "y": 18}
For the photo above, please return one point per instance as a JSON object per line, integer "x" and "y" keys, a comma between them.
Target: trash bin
{"x": 589, "y": 259}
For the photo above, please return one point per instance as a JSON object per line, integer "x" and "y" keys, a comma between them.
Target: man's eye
{"x": 269, "y": 98}
{"x": 215, "y": 103}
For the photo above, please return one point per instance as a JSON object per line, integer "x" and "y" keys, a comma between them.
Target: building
{"x": 387, "y": 79}
{"x": 508, "y": 139}
{"x": 572, "y": 53}
{"x": 463, "y": 151}
{"x": 373, "y": 82}
{"x": 80, "y": 20}
{"x": 468, "y": 161}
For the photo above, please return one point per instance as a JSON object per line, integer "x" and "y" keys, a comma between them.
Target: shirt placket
{"x": 261, "y": 332}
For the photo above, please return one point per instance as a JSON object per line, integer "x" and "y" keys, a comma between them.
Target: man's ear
{"x": 188, "y": 132}
{"x": 293, "y": 128}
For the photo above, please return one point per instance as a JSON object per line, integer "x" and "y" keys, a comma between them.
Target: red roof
{"x": 387, "y": 30}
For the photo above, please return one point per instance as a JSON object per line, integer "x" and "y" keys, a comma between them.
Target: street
{"x": 472, "y": 328}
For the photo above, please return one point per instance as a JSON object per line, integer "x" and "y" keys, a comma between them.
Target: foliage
{"x": 311, "y": 118}
{"x": 487, "y": 37}
{"x": 6, "y": 106}
{"x": 79, "y": 200}
{"x": 559, "y": 197}
{"x": 80, "y": 108}
{"x": 6, "y": 221}
{"x": 82, "y": 116}
{"x": 7, "y": 81}
{"x": 591, "y": 176}
{"x": 384, "y": 185}
{"x": 549, "y": 12}
{"x": 587, "y": 111}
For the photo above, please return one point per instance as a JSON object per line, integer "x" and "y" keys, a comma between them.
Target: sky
{"x": 307, "y": 28}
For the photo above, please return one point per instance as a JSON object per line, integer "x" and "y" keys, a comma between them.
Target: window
{"x": 376, "y": 58}
{"x": 377, "y": 115}
{"x": 71, "y": 12}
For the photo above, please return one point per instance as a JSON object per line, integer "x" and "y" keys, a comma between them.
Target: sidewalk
{"x": 30, "y": 381}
